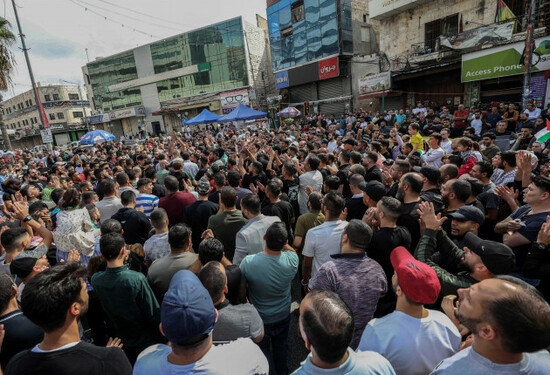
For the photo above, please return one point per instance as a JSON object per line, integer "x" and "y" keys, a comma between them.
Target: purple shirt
{"x": 359, "y": 280}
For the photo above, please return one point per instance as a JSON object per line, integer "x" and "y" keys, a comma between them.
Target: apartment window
{"x": 55, "y": 96}
{"x": 60, "y": 115}
{"x": 78, "y": 115}
{"x": 18, "y": 123}
{"x": 35, "y": 120}
{"x": 52, "y": 116}
{"x": 298, "y": 11}
{"x": 30, "y": 102}
{"x": 444, "y": 26}
{"x": 47, "y": 98}
{"x": 73, "y": 97}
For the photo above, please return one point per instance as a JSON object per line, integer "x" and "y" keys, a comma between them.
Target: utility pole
{"x": 529, "y": 43}
{"x": 25, "y": 51}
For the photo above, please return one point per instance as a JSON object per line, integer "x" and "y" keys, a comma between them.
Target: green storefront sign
{"x": 504, "y": 61}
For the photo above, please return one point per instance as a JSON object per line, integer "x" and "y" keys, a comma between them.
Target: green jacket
{"x": 131, "y": 305}
{"x": 432, "y": 241}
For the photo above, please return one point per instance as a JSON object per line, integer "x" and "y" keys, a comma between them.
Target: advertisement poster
{"x": 230, "y": 100}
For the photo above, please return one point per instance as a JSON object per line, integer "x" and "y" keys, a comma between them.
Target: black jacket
{"x": 135, "y": 224}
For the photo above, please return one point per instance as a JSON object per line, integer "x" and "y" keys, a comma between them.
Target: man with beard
{"x": 430, "y": 190}
{"x": 392, "y": 177}
{"x": 510, "y": 323}
{"x": 410, "y": 187}
{"x": 466, "y": 219}
{"x": 403, "y": 336}
{"x": 54, "y": 300}
{"x": 481, "y": 259}
{"x": 454, "y": 194}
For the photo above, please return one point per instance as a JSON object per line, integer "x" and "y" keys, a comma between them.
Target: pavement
{"x": 297, "y": 351}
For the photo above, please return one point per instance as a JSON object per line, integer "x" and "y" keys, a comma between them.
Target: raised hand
{"x": 114, "y": 343}
{"x": 428, "y": 216}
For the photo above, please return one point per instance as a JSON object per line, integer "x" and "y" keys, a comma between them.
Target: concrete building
{"x": 153, "y": 87}
{"x": 429, "y": 46}
{"x": 66, "y": 108}
{"x": 317, "y": 47}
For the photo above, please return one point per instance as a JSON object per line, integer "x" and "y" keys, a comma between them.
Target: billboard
{"x": 281, "y": 80}
{"x": 374, "y": 84}
{"x": 504, "y": 61}
{"x": 230, "y": 100}
{"x": 328, "y": 68}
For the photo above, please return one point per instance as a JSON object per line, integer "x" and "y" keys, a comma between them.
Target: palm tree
{"x": 7, "y": 62}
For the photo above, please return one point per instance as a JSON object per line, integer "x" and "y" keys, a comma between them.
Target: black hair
{"x": 450, "y": 170}
{"x": 219, "y": 179}
{"x": 122, "y": 178}
{"x": 233, "y": 179}
{"x": 274, "y": 188}
{"x": 476, "y": 186}
{"x": 87, "y": 197}
{"x": 490, "y": 135}
{"x": 127, "y": 197}
{"x": 143, "y": 181}
{"x": 461, "y": 189}
{"x": 37, "y": 206}
{"x": 313, "y": 162}
{"x": 178, "y": 236}
{"x": 359, "y": 234}
{"x": 372, "y": 156}
{"x": 151, "y": 173}
{"x": 228, "y": 196}
{"x": 6, "y": 288}
{"x": 333, "y": 182}
{"x": 509, "y": 157}
{"x": 414, "y": 181}
{"x": 485, "y": 167}
{"x": 210, "y": 249}
{"x": 346, "y": 156}
{"x": 355, "y": 156}
{"x": 110, "y": 245}
{"x": 48, "y": 295}
{"x": 334, "y": 203}
{"x": 328, "y": 325}
{"x": 171, "y": 183}
{"x": 158, "y": 217}
{"x": 110, "y": 226}
{"x": 276, "y": 236}
{"x": 252, "y": 203}
{"x": 107, "y": 186}
{"x": 315, "y": 199}
{"x": 542, "y": 182}
{"x": 213, "y": 279}
{"x": 391, "y": 207}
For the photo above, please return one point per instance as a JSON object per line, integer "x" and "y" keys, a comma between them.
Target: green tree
{"x": 7, "y": 63}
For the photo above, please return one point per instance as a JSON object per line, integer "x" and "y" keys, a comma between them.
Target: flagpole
{"x": 528, "y": 54}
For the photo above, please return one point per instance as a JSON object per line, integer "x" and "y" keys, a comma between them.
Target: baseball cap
{"x": 203, "y": 187}
{"x": 417, "y": 280}
{"x": 22, "y": 267}
{"x": 374, "y": 189}
{"x": 187, "y": 312}
{"x": 497, "y": 257}
{"x": 468, "y": 213}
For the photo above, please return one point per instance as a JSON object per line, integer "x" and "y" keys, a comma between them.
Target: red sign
{"x": 328, "y": 68}
{"x": 41, "y": 110}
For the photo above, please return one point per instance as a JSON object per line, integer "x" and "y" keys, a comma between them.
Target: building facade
{"x": 436, "y": 50}
{"x": 66, "y": 108}
{"x": 155, "y": 86}
{"x": 315, "y": 47}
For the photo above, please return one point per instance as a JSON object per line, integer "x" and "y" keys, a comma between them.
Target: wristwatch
{"x": 539, "y": 246}
{"x": 27, "y": 219}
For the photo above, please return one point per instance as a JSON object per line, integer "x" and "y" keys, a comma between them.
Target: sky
{"x": 58, "y": 32}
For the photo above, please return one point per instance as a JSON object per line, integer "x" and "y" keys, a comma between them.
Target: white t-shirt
{"x": 469, "y": 362}
{"x": 413, "y": 346}
{"x": 477, "y": 125}
{"x": 433, "y": 156}
{"x": 321, "y": 242}
{"x": 241, "y": 356}
{"x": 364, "y": 363}
{"x": 313, "y": 179}
{"x": 447, "y": 146}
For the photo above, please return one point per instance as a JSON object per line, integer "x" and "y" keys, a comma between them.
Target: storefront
{"x": 127, "y": 121}
{"x": 323, "y": 86}
{"x": 496, "y": 74}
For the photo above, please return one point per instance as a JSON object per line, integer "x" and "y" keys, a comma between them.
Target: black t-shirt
{"x": 343, "y": 176}
{"x": 21, "y": 334}
{"x": 356, "y": 208}
{"x": 291, "y": 188}
{"x": 409, "y": 219}
{"x": 233, "y": 274}
{"x": 81, "y": 359}
{"x": 284, "y": 211}
{"x": 373, "y": 174}
{"x": 196, "y": 217}
{"x": 181, "y": 176}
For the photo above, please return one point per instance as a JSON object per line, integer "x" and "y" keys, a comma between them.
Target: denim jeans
{"x": 275, "y": 341}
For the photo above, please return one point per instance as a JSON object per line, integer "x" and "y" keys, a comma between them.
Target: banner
{"x": 537, "y": 89}
{"x": 504, "y": 61}
{"x": 479, "y": 36}
{"x": 374, "y": 84}
{"x": 230, "y": 100}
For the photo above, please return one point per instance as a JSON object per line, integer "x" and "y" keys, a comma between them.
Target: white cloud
{"x": 58, "y": 31}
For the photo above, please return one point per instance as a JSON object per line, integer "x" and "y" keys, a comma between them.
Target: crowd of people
{"x": 417, "y": 242}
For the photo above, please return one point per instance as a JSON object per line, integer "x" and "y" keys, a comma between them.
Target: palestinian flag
{"x": 503, "y": 12}
{"x": 544, "y": 134}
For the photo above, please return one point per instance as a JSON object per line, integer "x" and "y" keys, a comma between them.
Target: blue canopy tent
{"x": 243, "y": 113}
{"x": 205, "y": 117}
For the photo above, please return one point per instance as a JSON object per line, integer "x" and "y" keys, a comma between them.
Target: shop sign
{"x": 328, "y": 68}
{"x": 98, "y": 119}
{"x": 281, "y": 80}
{"x": 66, "y": 103}
{"x": 47, "y": 136}
{"x": 126, "y": 112}
{"x": 374, "y": 84}
{"x": 477, "y": 37}
{"x": 230, "y": 100}
{"x": 537, "y": 89}
{"x": 504, "y": 61}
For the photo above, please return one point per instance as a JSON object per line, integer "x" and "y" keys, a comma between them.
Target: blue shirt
{"x": 149, "y": 202}
{"x": 469, "y": 362}
{"x": 269, "y": 278}
{"x": 363, "y": 363}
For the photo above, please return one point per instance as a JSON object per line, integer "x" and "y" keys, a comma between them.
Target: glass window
{"x": 73, "y": 96}
{"x": 298, "y": 11}
{"x": 78, "y": 114}
{"x": 55, "y": 96}
{"x": 314, "y": 50}
{"x": 285, "y": 18}
{"x": 52, "y": 116}
{"x": 47, "y": 98}
{"x": 60, "y": 115}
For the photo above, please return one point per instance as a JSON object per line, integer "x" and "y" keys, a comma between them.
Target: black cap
{"x": 468, "y": 213}
{"x": 374, "y": 189}
{"x": 497, "y": 257}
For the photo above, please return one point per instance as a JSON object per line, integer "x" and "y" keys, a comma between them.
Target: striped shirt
{"x": 149, "y": 202}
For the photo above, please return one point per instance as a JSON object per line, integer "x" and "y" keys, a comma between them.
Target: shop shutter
{"x": 330, "y": 89}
